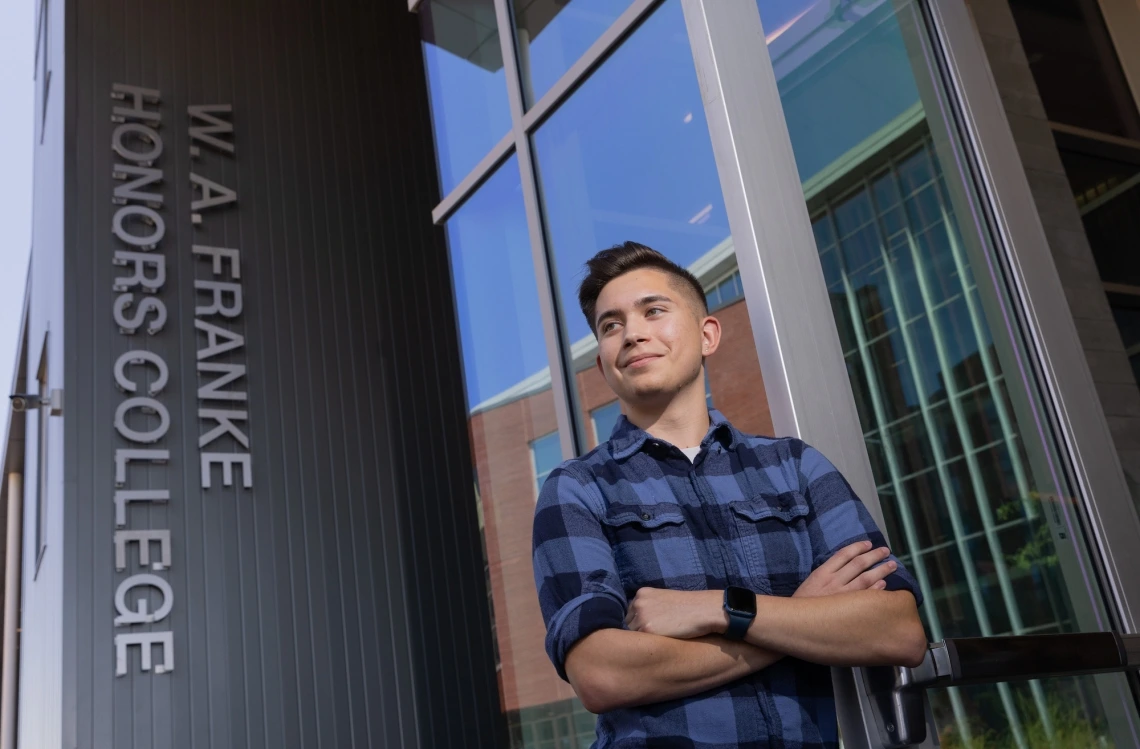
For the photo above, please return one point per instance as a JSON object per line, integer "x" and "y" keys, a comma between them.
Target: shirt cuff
{"x": 580, "y": 617}
{"x": 901, "y": 579}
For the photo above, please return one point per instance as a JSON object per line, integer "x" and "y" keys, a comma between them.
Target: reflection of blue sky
{"x": 628, "y": 156}
{"x": 469, "y": 109}
{"x": 495, "y": 293}
{"x": 564, "y": 38}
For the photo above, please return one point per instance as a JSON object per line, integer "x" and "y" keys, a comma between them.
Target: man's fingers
{"x": 863, "y": 562}
{"x": 881, "y": 585}
{"x": 872, "y": 577}
{"x": 840, "y": 558}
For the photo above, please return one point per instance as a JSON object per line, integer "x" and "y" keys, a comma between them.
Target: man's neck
{"x": 683, "y": 421}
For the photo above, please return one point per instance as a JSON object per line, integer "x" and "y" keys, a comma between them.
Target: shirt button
{"x": 645, "y": 516}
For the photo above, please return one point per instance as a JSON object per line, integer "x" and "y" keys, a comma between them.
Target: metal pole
{"x": 11, "y": 612}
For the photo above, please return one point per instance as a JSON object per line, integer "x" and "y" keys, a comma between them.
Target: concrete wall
{"x": 1076, "y": 267}
{"x": 339, "y": 600}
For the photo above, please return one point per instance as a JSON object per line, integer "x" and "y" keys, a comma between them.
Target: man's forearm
{"x": 864, "y": 628}
{"x": 615, "y": 668}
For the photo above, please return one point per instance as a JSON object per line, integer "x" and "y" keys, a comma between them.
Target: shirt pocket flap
{"x": 644, "y": 516}
{"x": 786, "y": 507}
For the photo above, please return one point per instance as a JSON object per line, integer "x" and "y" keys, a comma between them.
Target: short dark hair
{"x": 629, "y": 256}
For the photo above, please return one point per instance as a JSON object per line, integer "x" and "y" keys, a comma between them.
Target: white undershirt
{"x": 691, "y": 452}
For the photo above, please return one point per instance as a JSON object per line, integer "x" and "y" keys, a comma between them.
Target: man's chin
{"x": 647, "y": 395}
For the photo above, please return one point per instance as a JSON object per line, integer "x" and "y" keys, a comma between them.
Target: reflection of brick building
{"x": 502, "y": 431}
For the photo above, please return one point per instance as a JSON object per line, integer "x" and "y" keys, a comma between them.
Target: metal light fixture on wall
{"x": 31, "y": 401}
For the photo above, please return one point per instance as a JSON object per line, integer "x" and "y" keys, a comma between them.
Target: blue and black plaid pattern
{"x": 751, "y": 511}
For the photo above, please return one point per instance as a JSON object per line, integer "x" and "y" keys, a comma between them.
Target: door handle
{"x": 898, "y": 695}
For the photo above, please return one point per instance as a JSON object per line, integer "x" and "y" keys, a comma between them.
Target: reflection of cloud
{"x": 702, "y": 215}
{"x": 773, "y": 36}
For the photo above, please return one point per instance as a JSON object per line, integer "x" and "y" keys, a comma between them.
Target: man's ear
{"x": 710, "y": 336}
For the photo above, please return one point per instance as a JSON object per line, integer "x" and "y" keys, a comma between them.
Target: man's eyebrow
{"x": 644, "y": 301}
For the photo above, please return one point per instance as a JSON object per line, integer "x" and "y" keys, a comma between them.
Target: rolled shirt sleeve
{"x": 579, "y": 590}
{"x": 839, "y": 518}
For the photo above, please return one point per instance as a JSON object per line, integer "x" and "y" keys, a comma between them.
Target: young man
{"x": 696, "y": 582}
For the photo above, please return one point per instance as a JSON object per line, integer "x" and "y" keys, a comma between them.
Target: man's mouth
{"x": 641, "y": 360}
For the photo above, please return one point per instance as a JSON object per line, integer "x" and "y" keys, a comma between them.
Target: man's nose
{"x": 635, "y": 333}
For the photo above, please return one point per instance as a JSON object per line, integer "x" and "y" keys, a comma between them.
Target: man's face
{"x": 651, "y": 341}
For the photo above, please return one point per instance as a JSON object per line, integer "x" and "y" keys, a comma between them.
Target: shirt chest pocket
{"x": 772, "y": 536}
{"x": 653, "y": 547}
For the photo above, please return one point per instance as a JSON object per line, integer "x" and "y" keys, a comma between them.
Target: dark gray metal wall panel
{"x": 341, "y": 602}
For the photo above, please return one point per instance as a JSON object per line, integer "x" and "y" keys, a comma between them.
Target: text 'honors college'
{"x": 138, "y": 224}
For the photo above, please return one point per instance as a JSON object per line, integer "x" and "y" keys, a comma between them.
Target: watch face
{"x": 741, "y": 600}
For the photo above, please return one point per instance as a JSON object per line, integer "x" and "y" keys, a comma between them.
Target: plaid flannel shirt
{"x": 751, "y": 511}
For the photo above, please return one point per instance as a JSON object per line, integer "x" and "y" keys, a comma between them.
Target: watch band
{"x": 739, "y": 617}
{"x": 738, "y": 625}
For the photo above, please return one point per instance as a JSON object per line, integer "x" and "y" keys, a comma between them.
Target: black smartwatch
{"x": 740, "y": 605}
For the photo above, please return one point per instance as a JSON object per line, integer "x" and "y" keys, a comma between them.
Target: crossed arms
{"x": 841, "y": 615}
{"x": 857, "y": 607}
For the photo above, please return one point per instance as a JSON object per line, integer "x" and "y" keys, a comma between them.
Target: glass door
{"x": 976, "y": 482}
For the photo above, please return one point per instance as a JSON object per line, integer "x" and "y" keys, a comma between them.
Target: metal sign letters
{"x": 141, "y": 418}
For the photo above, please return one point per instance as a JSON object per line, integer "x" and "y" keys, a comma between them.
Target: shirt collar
{"x": 626, "y": 439}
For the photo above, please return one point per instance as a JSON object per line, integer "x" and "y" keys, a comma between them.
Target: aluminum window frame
{"x": 795, "y": 334}
{"x": 572, "y": 424}
{"x": 800, "y": 353}
{"x": 1052, "y": 332}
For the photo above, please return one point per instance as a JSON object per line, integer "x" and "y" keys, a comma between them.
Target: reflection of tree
{"x": 1038, "y": 550}
{"x": 1067, "y": 724}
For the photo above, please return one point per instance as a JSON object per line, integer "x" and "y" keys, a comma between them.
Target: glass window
{"x": 726, "y": 292}
{"x": 972, "y": 493}
{"x": 467, "y": 87}
{"x": 545, "y": 454}
{"x": 553, "y": 34}
{"x": 510, "y": 417}
{"x": 605, "y": 418}
{"x": 628, "y": 157}
{"x": 562, "y": 725}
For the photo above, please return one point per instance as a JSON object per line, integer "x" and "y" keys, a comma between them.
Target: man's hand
{"x": 848, "y": 570}
{"x": 680, "y": 614}
{"x": 686, "y": 614}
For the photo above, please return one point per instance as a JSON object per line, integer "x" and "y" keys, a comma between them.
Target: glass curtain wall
{"x": 626, "y": 155}
{"x": 970, "y": 480}
{"x": 602, "y": 111}
{"x": 623, "y": 153}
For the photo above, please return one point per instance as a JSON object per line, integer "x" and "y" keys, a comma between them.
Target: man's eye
{"x": 651, "y": 310}
{"x": 607, "y": 327}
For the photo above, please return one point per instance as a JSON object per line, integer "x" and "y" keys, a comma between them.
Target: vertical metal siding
{"x": 340, "y": 602}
